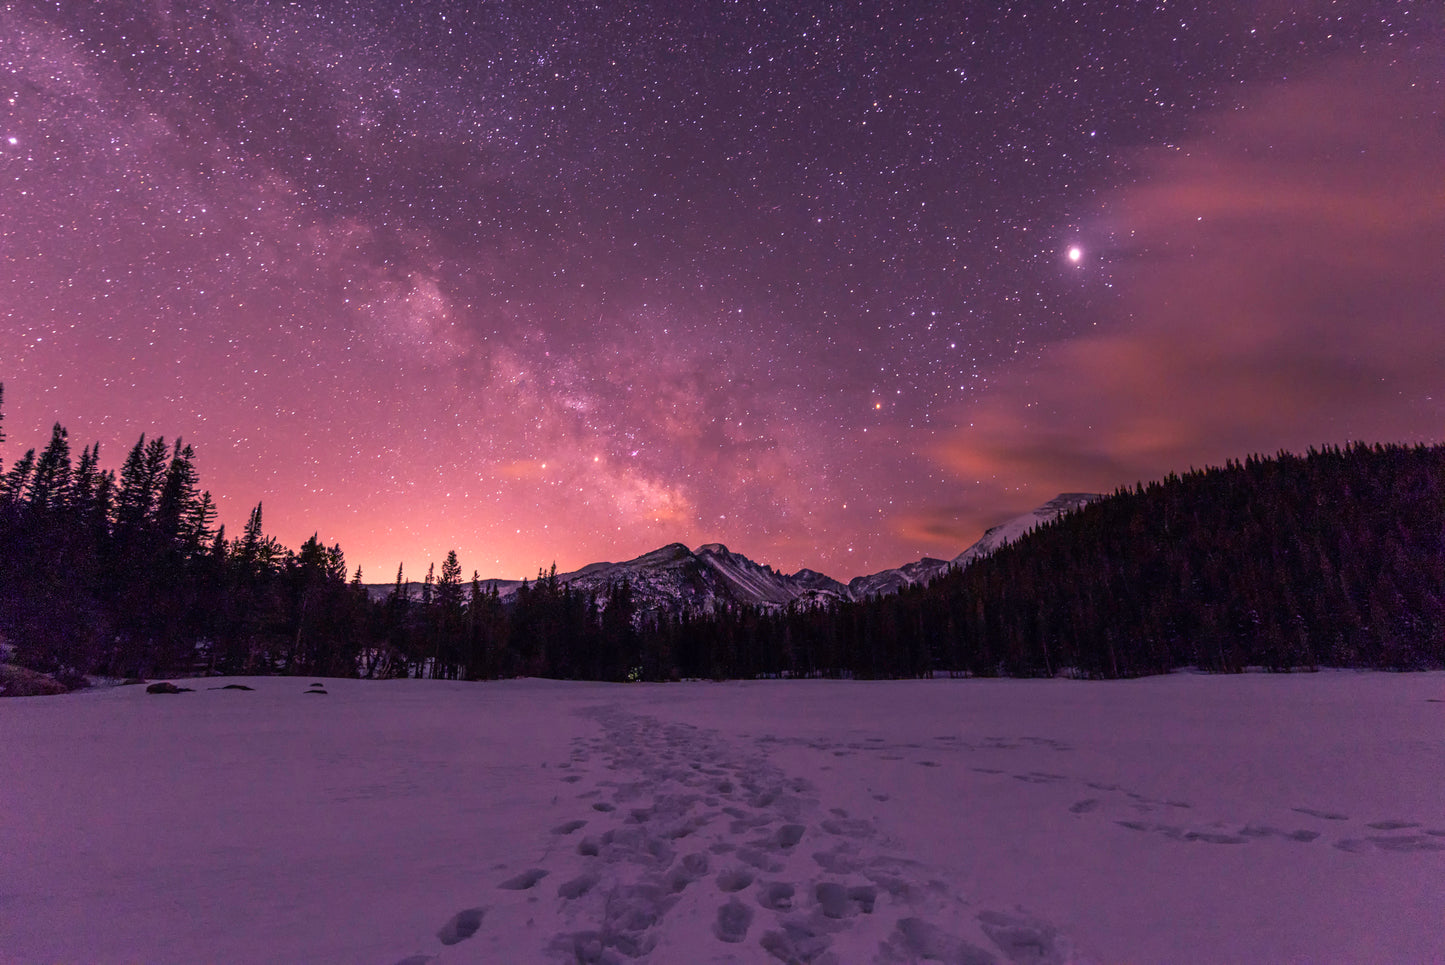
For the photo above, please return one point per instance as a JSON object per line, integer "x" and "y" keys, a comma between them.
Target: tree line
{"x": 1333, "y": 558}
{"x": 127, "y": 574}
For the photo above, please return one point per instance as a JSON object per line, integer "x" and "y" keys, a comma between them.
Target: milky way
{"x": 835, "y": 284}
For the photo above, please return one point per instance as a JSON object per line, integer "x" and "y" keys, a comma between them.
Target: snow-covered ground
{"x": 1177, "y": 819}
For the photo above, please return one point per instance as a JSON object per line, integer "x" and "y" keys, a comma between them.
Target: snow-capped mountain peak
{"x": 675, "y": 579}
{"x": 928, "y": 569}
{"x": 1008, "y": 532}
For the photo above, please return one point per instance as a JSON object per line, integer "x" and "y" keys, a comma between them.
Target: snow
{"x": 929, "y": 569}
{"x": 676, "y": 580}
{"x": 1174, "y": 819}
{"x": 1020, "y": 526}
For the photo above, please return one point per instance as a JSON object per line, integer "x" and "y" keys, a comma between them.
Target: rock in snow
{"x": 18, "y": 681}
{"x": 166, "y": 687}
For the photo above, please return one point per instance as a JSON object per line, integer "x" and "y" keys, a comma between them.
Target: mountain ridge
{"x": 678, "y": 579}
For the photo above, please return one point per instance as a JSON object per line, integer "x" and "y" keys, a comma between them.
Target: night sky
{"x": 836, "y": 284}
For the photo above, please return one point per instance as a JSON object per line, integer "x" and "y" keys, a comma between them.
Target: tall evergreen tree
{"x": 17, "y": 480}
{"x": 141, "y": 477}
{"x": 447, "y": 620}
{"x": 49, "y": 488}
{"x": 179, "y": 500}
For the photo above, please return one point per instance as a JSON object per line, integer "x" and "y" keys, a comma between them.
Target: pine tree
{"x": 195, "y": 532}
{"x": 17, "y": 480}
{"x": 178, "y": 502}
{"x": 141, "y": 478}
{"x": 448, "y": 619}
{"x": 256, "y": 550}
{"x": 397, "y": 613}
{"x": 448, "y": 593}
{"x": 50, "y": 484}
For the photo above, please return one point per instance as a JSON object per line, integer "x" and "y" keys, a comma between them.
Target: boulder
{"x": 165, "y": 687}
{"x": 22, "y": 682}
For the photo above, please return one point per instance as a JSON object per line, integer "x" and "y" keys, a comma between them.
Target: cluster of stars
{"x": 564, "y": 282}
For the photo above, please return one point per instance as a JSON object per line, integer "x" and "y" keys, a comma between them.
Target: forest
{"x": 1334, "y": 558}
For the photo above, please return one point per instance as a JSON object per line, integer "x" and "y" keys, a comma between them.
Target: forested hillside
{"x": 1334, "y": 558}
{"x": 127, "y": 575}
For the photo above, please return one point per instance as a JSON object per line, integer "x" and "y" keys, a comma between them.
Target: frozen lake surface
{"x": 1175, "y": 819}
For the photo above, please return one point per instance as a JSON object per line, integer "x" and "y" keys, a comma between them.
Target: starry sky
{"x": 836, "y": 284}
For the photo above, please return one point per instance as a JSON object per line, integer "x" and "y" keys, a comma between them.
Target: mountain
{"x": 928, "y": 569}
{"x": 1019, "y": 525}
{"x": 891, "y": 581}
{"x": 676, "y": 579}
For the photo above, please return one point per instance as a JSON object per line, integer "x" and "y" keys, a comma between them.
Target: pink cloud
{"x": 1282, "y": 286}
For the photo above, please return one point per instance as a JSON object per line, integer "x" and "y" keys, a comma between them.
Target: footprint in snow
{"x": 776, "y": 896}
{"x": 848, "y": 828}
{"x": 1400, "y": 844}
{"x": 760, "y": 860}
{"x": 787, "y": 836}
{"x": 691, "y": 868}
{"x": 916, "y": 940}
{"x": 1179, "y": 834}
{"x": 838, "y": 861}
{"x": 578, "y": 886}
{"x": 734, "y": 879}
{"x": 523, "y": 881}
{"x": 1021, "y": 939}
{"x": 799, "y": 940}
{"x": 459, "y": 927}
{"x": 1265, "y": 831}
{"x": 733, "y": 921}
{"x": 840, "y": 901}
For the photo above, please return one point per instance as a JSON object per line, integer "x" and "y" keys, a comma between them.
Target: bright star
{"x": 1075, "y": 254}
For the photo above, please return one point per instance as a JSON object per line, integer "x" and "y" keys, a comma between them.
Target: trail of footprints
{"x": 683, "y": 824}
{"x": 1111, "y": 798}
{"x": 679, "y": 822}
{"x": 1134, "y": 811}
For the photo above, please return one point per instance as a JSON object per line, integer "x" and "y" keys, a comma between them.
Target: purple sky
{"x": 554, "y": 282}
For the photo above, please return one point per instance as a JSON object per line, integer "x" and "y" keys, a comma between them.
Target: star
{"x": 413, "y": 245}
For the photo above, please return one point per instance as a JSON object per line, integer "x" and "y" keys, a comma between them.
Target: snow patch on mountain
{"x": 1008, "y": 532}
{"x": 891, "y": 581}
{"x": 929, "y": 569}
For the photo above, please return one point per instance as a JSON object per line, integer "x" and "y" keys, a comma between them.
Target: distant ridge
{"x": 676, "y": 579}
{"x": 928, "y": 569}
